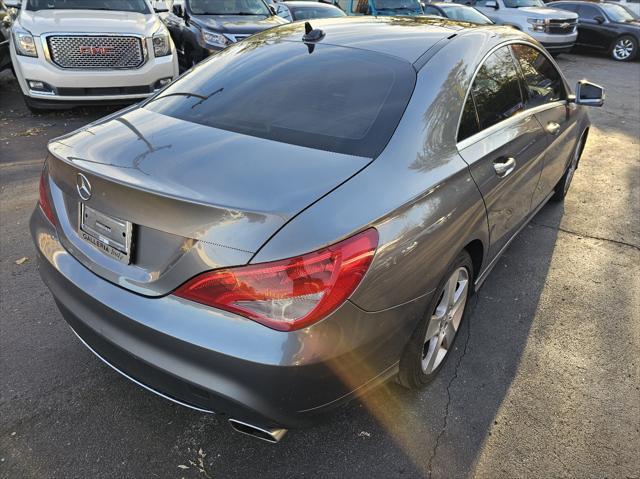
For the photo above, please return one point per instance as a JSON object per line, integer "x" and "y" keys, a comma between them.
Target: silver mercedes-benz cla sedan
{"x": 305, "y": 214}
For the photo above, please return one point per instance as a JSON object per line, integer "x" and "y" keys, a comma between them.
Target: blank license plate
{"x": 110, "y": 235}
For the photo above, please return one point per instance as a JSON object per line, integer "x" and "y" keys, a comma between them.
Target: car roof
{"x": 407, "y": 38}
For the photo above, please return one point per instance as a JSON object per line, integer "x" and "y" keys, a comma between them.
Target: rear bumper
{"x": 216, "y": 361}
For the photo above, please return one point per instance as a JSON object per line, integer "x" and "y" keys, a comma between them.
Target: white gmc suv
{"x": 554, "y": 28}
{"x": 71, "y": 52}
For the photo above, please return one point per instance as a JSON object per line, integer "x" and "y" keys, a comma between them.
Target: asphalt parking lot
{"x": 545, "y": 380}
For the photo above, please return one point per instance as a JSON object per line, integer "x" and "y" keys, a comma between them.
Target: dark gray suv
{"x": 305, "y": 214}
{"x": 200, "y": 28}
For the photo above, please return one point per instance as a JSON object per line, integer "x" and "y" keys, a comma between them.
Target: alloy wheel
{"x": 623, "y": 49}
{"x": 445, "y": 320}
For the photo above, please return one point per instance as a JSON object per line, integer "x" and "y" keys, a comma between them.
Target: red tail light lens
{"x": 292, "y": 293}
{"x": 43, "y": 201}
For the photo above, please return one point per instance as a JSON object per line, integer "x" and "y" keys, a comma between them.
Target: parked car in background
{"x": 200, "y": 28}
{"x": 305, "y": 10}
{"x": 606, "y": 27}
{"x": 455, "y": 11}
{"x": 380, "y": 7}
{"x": 633, "y": 5}
{"x": 72, "y": 52}
{"x": 555, "y": 29}
{"x": 296, "y": 220}
{"x": 6, "y": 19}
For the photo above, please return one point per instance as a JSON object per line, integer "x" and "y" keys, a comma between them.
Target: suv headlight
{"x": 24, "y": 42}
{"x": 537, "y": 24}
{"x": 161, "y": 44}
{"x": 214, "y": 39}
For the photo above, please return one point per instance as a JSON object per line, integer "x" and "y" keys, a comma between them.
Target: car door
{"x": 546, "y": 96}
{"x": 592, "y": 30}
{"x": 502, "y": 144}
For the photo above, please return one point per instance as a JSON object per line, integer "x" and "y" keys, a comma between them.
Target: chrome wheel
{"x": 445, "y": 320}
{"x": 623, "y": 49}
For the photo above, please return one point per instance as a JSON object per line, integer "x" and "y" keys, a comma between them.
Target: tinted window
{"x": 617, "y": 13}
{"x": 469, "y": 120}
{"x": 542, "y": 81}
{"x": 496, "y": 89}
{"x": 305, "y": 13}
{"x": 566, "y": 6}
{"x": 588, "y": 12}
{"x": 228, "y": 7}
{"x": 466, "y": 14}
{"x": 326, "y": 97}
{"x": 431, "y": 10}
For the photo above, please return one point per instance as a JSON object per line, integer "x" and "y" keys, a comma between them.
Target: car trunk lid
{"x": 197, "y": 197}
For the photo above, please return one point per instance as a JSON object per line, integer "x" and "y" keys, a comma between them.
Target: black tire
{"x": 562, "y": 188}
{"x": 624, "y": 48}
{"x": 411, "y": 374}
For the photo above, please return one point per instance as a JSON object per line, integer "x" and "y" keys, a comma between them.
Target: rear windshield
{"x": 320, "y": 96}
{"x": 139, "y": 6}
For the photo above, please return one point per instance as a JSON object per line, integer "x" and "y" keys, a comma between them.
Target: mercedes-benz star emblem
{"x": 83, "y": 186}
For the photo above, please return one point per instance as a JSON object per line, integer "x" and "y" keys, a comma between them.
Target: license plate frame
{"x": 112, "y": 236}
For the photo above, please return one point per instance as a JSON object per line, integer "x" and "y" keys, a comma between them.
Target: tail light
{"x": 289, "y": 294}
{"x": 43, "y": 200}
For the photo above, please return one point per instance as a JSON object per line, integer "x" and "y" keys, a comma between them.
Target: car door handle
{"x": 553, "y": 128}
{"x": 504, "y": 166}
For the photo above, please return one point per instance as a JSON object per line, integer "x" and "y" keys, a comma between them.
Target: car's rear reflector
{"x": 44, "y": 200}
{"x": 288, "y": 294}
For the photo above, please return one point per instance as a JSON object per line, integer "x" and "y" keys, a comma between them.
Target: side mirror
{"x": 177, "y": 10}
{"x": 589, "y": 94}
{"x": 13, "y": 3}
{"x": 423, "y": 5}
{"x": 492, "y": 4}
{"x": 599, "y": 19}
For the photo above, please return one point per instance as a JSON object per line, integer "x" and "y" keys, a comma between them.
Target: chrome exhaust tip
{"x": 273, "y": 435}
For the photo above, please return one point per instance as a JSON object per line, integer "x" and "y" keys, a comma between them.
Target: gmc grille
{"x": 96, "y": 52}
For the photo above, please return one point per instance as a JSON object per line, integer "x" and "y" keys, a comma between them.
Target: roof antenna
{"x": 312, "y": 34}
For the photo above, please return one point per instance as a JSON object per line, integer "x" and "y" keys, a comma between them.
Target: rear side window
{"x": 326, "y": 97}
{"x": 431, "y": 10}
{"x": 566, "y": 6}
{"x": 496, "y": 89}
{"x": 588, "y": 12}
{"x": 542, "y": 80}
{"x": 469, "y": 121}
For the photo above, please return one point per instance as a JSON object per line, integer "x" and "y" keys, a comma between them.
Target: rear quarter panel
{"x": 418, "y": 194}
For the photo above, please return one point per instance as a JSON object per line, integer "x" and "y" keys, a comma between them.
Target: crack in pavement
{"x": 453, "y": 378}
{"x": 575, "y": 233}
